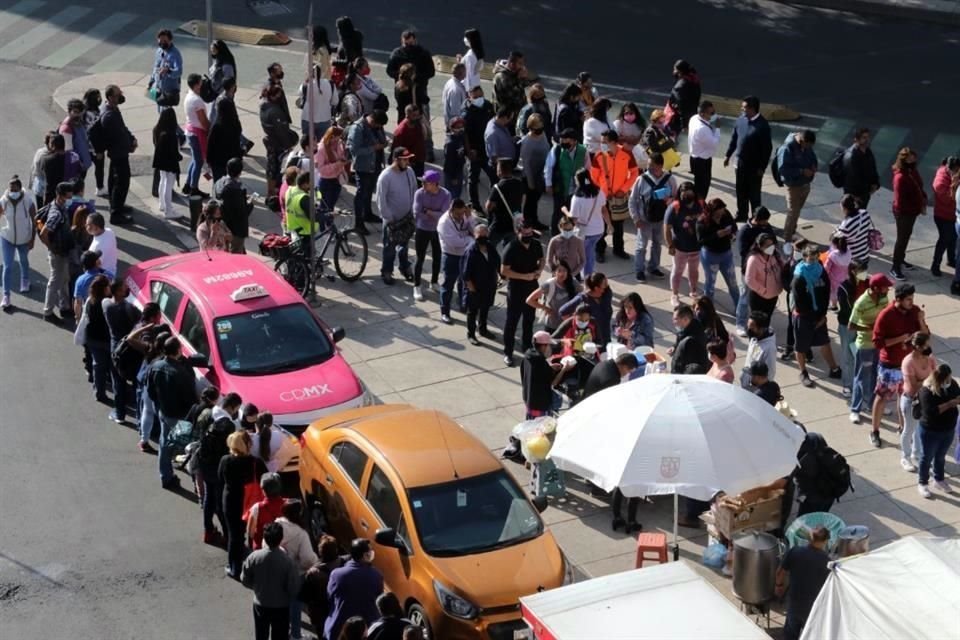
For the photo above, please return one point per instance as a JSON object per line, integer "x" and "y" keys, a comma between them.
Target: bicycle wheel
{"x": 294, "y": 270}
{"x": 350, "y": 255}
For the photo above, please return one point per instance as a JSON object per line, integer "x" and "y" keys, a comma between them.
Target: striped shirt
{"x": 855, "y": 229}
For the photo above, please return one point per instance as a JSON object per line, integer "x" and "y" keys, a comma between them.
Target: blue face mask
{"x": 582, "y": 324}
{"x": 567, "y": 234}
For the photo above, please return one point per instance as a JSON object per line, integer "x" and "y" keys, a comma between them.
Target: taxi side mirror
{"x": 540, "y": 502}
{"x": 387, "y": 537}
{"x": 338, "y": 334}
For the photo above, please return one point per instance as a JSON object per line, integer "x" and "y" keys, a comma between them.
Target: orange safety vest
{"x": 615, "y": 174}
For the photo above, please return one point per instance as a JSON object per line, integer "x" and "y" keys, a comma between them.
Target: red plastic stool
{"x": 651, "y": 543}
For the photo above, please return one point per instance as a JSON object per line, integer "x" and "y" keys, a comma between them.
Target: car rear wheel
{"x": 418, "y": 616}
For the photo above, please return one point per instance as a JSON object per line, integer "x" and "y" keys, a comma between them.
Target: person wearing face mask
{"x": 410, "y": 135}
{"x": 597, "y": 295}
{"x": 472, "y": 60}
{"x": 716, "y": 231}
{"x": 477, "y": 112}
{"x": 595, "y": 125}
{"x": 171, "y": 386}
{"x": 453, "y": 158}
{"x": 658, "y": 139}
{"x": 751, "y": 146}
{"x": 167, "y": 70}
{"x": 703, "y": 141}
{"x": 863, "y": 316}
{"x": 537, "y": 104}
{"x": 74, "y": 132}
{"x": 860, "y": 177}
{"x": 588, "y": 208}
{"x": 909, "y": 202}
{"x": 647, "y": 204}
{"x": 551, "y": 295}
{"x": 691, "y": 344}
{"x": 811, "y": 295}
{"x": 614, "y": 170}
{"x": 567, "y": 247}
{"x": 564, "y": 161}
{"x": 509, "y": 82}
{"x": 17, "y": 234}
{"x": 568, "y": 114}
{"x": 797, "y": 166}
{"x": 480, "y": 274}
{"x": 521, "y": 267}
{"x": 939, "y": 399}
{"x": 91, "y": 103}
{"x": 353, "y": 589}
{"x": 454, "y": 94}
{"x": 534, "y": 147}
{"x": 847, "y": 294}
{"x": 396, "y": 187}
{"x": 792, "y": 256}
{"x": 120, "y": 143}
{"x": 455, "y": 231}
{"x": 916, "y": 368}
{"x": 505, "y": 204}
{"x": 275, "y": 79}
{"x": 856, "y": 227}
{"x": 629, "y": 126}
{"x": 429, "y": 203}
{"x": 762, "y": 275}
{"x": 365, "y": 142}
{"x": 680, "y": 236}
{"x": 761, "y": 348}
{"x": 945, "y": 184}
{"x": 633, "y": 324}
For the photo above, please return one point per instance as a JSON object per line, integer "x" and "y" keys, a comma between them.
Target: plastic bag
{"x": 715, "y": 555}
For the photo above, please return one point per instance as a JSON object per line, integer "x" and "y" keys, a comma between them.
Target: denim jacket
{"x": 169, "y": 83}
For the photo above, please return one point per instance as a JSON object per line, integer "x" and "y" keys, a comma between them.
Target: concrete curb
{"x": 234, "y": 33}
{"x": 886, "y": 9}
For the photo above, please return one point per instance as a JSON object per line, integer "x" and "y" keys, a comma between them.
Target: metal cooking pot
{"x": 853, "y": 540}
{"x": 756, "y": 557}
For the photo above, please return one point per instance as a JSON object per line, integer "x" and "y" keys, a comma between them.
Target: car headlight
{"x": 454, "y": 604}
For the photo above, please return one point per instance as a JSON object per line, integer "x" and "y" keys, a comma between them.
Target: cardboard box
{"x": 762, "y": 514}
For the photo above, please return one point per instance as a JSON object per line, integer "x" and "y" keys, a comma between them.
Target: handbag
{"x": 543, "y": 316}
{"x": 167, "y": 99}
{"x": 618, "y": 207}
{"x": 80, "y": 333}
{"x": 915, "y": 407}
{"x": 400, "y": 231}
{"x": 875, "y": 239}
{"x": 671, "y": 158}
{"x": 252, "y": 493}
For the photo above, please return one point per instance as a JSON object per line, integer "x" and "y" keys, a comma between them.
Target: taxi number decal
{"x": 224, "y": 326}
{"x": 234, "y": 275}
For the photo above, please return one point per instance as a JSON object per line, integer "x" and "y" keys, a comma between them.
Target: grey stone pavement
{"x": 405, "y": 354}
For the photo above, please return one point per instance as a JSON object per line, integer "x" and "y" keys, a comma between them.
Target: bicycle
{"x": 291, "y": 259}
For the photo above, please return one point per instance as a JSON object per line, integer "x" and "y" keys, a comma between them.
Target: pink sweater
{"x": 763, "y": 275}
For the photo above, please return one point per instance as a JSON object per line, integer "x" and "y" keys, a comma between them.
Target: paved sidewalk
{"x": 405, "y": 354}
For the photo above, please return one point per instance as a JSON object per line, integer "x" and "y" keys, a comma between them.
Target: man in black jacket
{"x": 120, "y": 143}
{"x": 172, "y": 388}
{"x": 609, "y": 373}
{"x": 409, "y": 52}
{"x": 860, "y": 177}
{"x": 752, "y": 145}
{"x": 234, "y": 204}
{"x": 811, "y": 296}
{"x": 477, "y": 112}
{"x": 691, "y": 346}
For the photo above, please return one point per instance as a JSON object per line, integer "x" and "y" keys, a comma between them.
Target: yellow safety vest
{"x": 298, "y": 218}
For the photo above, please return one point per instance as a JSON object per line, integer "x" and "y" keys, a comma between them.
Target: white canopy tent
{"x": 907, "y": 589}
{"x": 663, "y": 601}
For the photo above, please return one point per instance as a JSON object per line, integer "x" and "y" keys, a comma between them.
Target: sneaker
{"x": 805, "y": 379}
{"x": 943, "y": 486}
{"x": 845, "y": 392}
{"x": 836, "y": 373}
{"x": 674, "y": 301}
{"x": 387, "y": 279}
{"x": 924, "y": 491}
{"x": 742, "y": 332}
{"x": 417, "y": 293}
{"x": 102, "y": 192}
{"x": 896, "y": 274}
{"x": 935, "y": 271}
{"x": 657, "y": 273}
{"x": 145, "y": 447}
{"x": 446, "y": 319}
{"x": 907, "y": 465}
{"x": 855, "y": 417}
{"x": 172, "y": 484}
{"x": 908, "y": 266}
{"x": 113, "y": 417}
{"x": 486, "y": 333}
{"x": 25, "y": 286}
{"x": 472, "y": 339}
{"x": 601, "y": 258}
{"x": 435, "y": 287}
{"x": 508, "y": 360}
{"x": 5, "y": 302}
{"x": 875, "y": 439}
{"x": 408, "y": 275}
{"x": 786, "y": 354}
{"x": 641, "y": 276}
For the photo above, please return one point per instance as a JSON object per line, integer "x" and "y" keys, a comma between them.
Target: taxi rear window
{"x": 269, "y": 341}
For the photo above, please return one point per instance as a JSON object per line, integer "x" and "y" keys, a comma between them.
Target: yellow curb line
{"x": 234, "y": 33}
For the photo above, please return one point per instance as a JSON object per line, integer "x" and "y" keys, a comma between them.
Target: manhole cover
{"x": 264, "y": 8}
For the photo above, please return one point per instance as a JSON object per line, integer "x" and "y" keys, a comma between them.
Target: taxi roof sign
{"x": 248, "y": 292}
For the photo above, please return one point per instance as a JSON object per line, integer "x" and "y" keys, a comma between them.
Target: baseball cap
{"x": 432, "y": 176}
{"x": 89, "y": 259}
{"x": 880, "y": 281}
{"x": 542, "y": 337}
{"x": 456, "y": 123}
{"x": 401, "y": 152}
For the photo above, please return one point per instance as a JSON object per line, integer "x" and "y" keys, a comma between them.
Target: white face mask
{"x": 770, "y": 250}
{"x": 582, "y": 324}
{"x": 604, "y": 147}
{"x": 862, "y": 276}
{"x": 798, "y": 255}
{"x": 466, "y": 43}
{"x": 15, "y": 195}
{"x": 714, "y": 118}
{"x": 566, "y": 235}
{"x": 477, "y": 102}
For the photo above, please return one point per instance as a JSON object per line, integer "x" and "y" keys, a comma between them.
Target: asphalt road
{"x": 90, "y": 546}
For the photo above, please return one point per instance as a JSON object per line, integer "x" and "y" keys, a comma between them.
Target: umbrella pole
{"x": 676, "y": 517}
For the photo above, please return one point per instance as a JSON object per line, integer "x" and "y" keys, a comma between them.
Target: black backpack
{"x": 213, "y": 443}
{"x": 775, "y": 167}
{"x": 127, "y": 360}
{"x": 834, "y": 473}
{"x": 837, "y": 169}
{"x": 97, "y": 137}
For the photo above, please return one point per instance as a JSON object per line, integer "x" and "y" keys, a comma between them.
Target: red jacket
{"x": 909, "y": 198}
{"x": 410, "y": 135}
{"x": 944, "y": 203}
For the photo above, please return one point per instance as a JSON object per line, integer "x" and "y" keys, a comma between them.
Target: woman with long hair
{"x": 909, "y": 202}
{"x": 945, "y": 212}
{"x": 97, "y": 334}
{"x": 588, "y": 208}
{"x": 595, "y": 125}
{"x": 473, "y": 58}
{"x": 553, "y": 294}
{"x": 331, "y": 163}
{"x": 321, "y": 50}
{"x": 939, "y": 398}
{"x": 568, "y": 114}
{"x": 855, "y": 227}
{"x": 237, "y": 469}
{"x": 92, "y": 100}
{"x": 223, "y": 66}
{"x": 633, "y": 324}
{"x": 716, "y": 231}
{"x": 763, "y": 277}
{"x": 166, "y": 159}
{"x": 274, "y": 446}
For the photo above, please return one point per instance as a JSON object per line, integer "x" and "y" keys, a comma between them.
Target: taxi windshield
{"x": 271, "y": 341}
{"x": 473, "y": 515}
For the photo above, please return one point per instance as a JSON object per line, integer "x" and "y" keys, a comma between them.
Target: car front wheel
{"x": 418, "y": 616}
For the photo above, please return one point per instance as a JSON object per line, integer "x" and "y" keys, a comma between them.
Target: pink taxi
{"x": 260, "y": 338}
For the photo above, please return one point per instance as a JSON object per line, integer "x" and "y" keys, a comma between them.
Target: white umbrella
{"x": 681, "y": 434}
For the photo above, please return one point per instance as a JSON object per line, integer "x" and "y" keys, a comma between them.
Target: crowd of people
{"x": 600, "y": 167}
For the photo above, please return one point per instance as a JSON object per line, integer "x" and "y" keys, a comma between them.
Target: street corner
{"x": 126, "y": 80}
